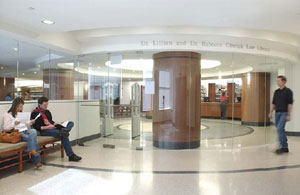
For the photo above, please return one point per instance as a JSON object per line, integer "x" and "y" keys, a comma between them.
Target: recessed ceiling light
{"x": 15, "y": 49}
{"x": 34, "y": 72}
{"x": 23, "y": 74}
{"x": 2, "y": 68}
{"x": 48, "y": 22}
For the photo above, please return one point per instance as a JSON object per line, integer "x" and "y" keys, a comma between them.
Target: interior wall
{"x": 293, "y": 81}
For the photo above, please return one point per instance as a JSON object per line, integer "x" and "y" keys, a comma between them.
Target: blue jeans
{"x": 280, "y": 120}
{"x": 64, "y": 140}
{"x": 30, "y": 137}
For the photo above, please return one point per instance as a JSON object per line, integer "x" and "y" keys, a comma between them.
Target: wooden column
{"x": 212, "y": 92}
{"x": 256, "y": 98}
{"x": 6, "y": 85}
{"x": 231, "y": 92}
{"x": 176, "y": 126}
{"x": 59, "y": 84}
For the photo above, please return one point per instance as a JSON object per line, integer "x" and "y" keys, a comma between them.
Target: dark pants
{"x": 280, "y": 120}
{"x": 223, "y": 107}
{"x": 64, "y": 140}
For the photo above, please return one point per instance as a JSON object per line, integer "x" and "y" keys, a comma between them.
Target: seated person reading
{"x": 47, "y": 127}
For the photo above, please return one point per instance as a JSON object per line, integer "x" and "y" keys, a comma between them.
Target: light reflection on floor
{"x": 79, "y": 182}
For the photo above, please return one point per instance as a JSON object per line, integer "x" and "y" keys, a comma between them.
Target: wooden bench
{"x": 17, "y": 152}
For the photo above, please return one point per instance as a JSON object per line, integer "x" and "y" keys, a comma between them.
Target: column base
{"x": 259, "y": 124}
{"x": 176, "y": 145}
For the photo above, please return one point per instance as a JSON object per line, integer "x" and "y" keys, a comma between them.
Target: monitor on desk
{"x": 206, "y": 99}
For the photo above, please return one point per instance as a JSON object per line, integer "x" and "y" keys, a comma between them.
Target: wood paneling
{"x": 256, "y": 98}
{"x": 212, "y": 92}
{"x": 60, "y": 82}
{"x": 212, "y": 109}
{"x": 231, "y": 92}
{"x": 178, "y": 126}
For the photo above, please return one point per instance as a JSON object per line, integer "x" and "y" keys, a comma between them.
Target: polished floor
{"x": 230, "y": 169}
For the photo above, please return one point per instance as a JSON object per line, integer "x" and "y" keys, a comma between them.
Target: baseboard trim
{"x": 217, "y": 117}
{"x": 292, "y": 133}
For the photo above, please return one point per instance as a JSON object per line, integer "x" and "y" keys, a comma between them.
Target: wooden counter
{"x": 212, "y": 110}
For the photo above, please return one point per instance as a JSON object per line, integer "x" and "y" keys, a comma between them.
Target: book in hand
{"x": 24, "y": 121}
{"x": 62, "y": 125}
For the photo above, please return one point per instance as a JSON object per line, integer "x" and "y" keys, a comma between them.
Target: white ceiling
{"x": 79, "y": 15}
{"x": 70, "y": 15}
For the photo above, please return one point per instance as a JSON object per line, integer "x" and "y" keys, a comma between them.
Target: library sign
{"x": 204, "y": 44}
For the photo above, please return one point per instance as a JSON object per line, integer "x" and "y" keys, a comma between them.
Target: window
{"x": 164, "y": 90}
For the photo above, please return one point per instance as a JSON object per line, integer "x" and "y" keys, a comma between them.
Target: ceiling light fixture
{"x": 206, "y": 64}
{"x": 48, "y": 22}
{"x": 147, "y": 64}
{"x": 15, "y": 49}
{"x": 144, "y": 64}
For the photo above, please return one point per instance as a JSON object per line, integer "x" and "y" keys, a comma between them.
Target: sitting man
{"x": 46, "y": 126}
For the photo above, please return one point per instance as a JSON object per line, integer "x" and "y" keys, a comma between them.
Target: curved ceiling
{"x": 70, "y": 15}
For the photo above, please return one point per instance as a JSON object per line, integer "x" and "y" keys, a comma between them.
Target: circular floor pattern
{"x": 211, "y": 129}
{"x": 146, "y": 127}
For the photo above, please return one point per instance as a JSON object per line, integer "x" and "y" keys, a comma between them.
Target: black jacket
{"x": 282, "y": 98}
{"x": 40, "y": 121}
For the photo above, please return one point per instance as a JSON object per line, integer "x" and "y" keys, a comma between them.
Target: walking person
{"x": 282, "y": 104}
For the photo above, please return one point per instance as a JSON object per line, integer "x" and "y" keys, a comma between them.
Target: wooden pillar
{"x": 231, "y": 92}
{"x": 256, "y": 98}
{"x": 58, "y": 84}
{"x": 212, "y": 92}
{"x": 177, "y": 99}
{"x": 6, "y": 85}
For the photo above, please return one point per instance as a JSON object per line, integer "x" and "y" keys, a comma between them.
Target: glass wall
{"x": 122, "y": 96}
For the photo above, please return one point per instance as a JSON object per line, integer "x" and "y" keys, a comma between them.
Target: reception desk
{"x": 213, "y": 110}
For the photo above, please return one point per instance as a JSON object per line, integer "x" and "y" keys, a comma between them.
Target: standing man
{"x": 46, "y": 126}
{"x": 282, "y": 104}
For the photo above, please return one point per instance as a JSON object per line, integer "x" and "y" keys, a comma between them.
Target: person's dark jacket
{"x": 40, "y": 121}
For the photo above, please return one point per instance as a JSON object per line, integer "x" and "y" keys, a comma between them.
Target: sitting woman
{"x": 29, "y": 136}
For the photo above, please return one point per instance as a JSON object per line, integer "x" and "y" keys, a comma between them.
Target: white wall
{"x": 293, "y": 83}
{"x": 87, "y": 122}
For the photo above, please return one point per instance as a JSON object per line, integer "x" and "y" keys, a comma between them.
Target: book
{"x": 24, "y": 119}
{"x": 62, "y": 125}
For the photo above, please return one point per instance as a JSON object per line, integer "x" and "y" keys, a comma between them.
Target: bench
{"x": 17, "y": 152}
